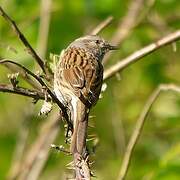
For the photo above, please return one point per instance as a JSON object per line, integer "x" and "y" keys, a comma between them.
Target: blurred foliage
{"x": 157, "y": 154}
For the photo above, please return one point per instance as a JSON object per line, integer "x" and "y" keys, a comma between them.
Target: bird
{"x": 78, "y": 78}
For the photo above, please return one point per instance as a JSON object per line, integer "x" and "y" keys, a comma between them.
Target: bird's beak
{"x": 111, "y": 47}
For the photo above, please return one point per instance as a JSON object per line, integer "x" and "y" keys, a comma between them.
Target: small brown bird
{"x": 78, "y": 79}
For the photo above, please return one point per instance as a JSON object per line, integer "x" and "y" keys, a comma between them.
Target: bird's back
{"x": 79, "y": 73}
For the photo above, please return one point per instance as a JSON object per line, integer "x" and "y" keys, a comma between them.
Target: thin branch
{"x": 43, "y": 84}
{"x": 31, "y": 51}
{"x": 170, "y": 38}
{"x": 102, "y": 25}
{"x": 21, "y": 91}
{"x": 139, "y": 126}
{"x": 38, "y": 79}
{"x": 126, "y": 24}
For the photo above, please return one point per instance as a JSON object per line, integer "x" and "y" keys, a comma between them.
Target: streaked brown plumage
{"x": 77, "y": 83}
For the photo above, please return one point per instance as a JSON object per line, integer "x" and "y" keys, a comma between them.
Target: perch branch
{"x": 139, "y": 126}
{"x": 31, "y": 51}
{"x": 170, "y": 38}
{"x": 102, "y": 25}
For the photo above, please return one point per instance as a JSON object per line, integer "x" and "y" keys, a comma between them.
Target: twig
{"x": 21, "y": 91}
{"x": 43, "y": 84}
{"x": 45, "y": 16}
{"x": 31, "y": 51}
{"x": 102, "y": 25}
{"x": 139, "y": 126}
{"x": 60, "y": 149}
{"x": 38, "y": 79}
{"x": 23, "y": 74}
{"x": 175, "y": 36}
{"x": 127, "y": 24}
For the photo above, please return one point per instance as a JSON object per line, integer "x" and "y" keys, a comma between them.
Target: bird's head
{"x": 93, "y": 44}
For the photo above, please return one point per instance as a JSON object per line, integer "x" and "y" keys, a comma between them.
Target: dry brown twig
{"x": 139, "y": 126}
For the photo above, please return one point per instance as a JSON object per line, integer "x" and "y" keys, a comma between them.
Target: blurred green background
{"x": 157, "y": 154}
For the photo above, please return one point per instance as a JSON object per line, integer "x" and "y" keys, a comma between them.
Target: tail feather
{"x": 80, "y": 121}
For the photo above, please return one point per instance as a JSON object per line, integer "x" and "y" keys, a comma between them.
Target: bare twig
{"x": 60, "y": 149}
{"x": 102, "y": 25}
{"x": 31, "y": 51}
{"x": 139, "y": 126}
{"x": 21, "y": 91}
{"x": 127, "y": 24}
{"x": 45, "y": 16}
{"x": 170, "y": 38}
{"x": 43, "y": 84}
{"x": 23, "y": 74}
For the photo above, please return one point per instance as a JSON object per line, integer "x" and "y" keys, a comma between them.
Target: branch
{"x": 21, "y": 91}
{"x": 139, "y": 126}
{"x": 22, "y": 38}
{"x": 43, "y": 84}
{"x": 175, "y": 36}
{"x": 23, "y": 74}
{"x": 102, "y": 25}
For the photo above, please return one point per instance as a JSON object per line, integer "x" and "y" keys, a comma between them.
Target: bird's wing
{"x": 84, "y": 75}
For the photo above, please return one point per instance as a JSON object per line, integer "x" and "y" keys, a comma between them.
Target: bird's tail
{"x": 80, "y": 123}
